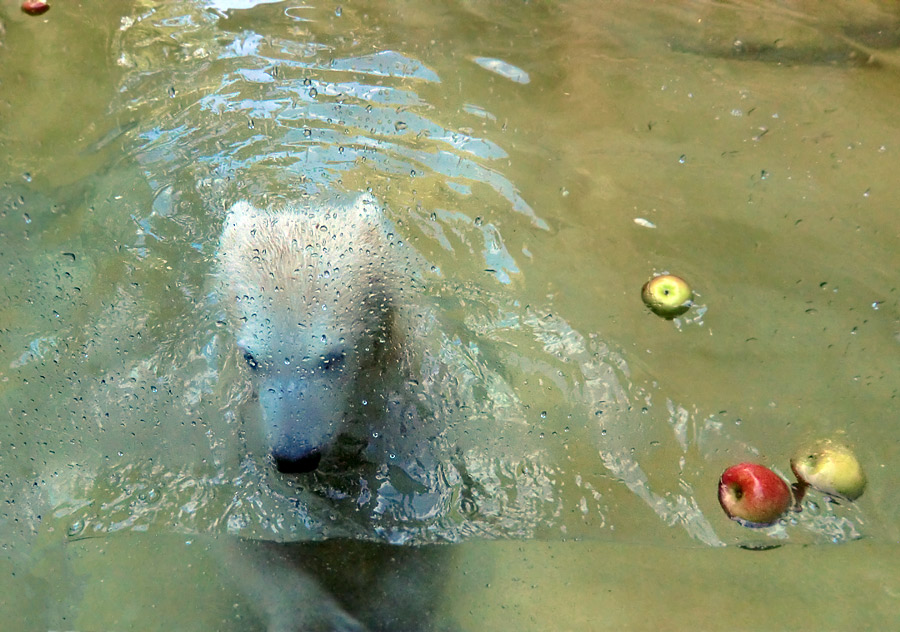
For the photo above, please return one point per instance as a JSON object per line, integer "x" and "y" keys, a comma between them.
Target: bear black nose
{"x": 299, "y": 465}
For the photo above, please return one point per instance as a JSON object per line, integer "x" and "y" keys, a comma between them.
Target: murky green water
{"x": 542, "y": 161}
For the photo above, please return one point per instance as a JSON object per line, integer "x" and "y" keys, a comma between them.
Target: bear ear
{"x": 240, "y": 213}
{"x": 367, "y": 208}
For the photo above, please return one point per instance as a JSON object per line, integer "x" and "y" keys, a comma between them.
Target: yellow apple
{"x": 831, "y": 468}
{"x": 667, "y": 295}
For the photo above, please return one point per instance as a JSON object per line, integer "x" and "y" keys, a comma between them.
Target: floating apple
{"x": 667, "y": 295}
{"x": 831, "y": 468}
{"x": 753, "y": 494}
{"x": 35, "y": 7}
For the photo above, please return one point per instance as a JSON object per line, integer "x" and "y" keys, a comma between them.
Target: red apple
{"x": 753, "y": 495}
{"x": 35, "y": 7}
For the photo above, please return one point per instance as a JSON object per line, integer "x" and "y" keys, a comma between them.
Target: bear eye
{"x": 333, "y": 361}
{"x": 251, "y": 361}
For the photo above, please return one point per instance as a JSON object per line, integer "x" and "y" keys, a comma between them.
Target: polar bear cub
{"x": 310, "y": 294}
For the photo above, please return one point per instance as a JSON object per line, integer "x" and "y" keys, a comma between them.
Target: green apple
{"x": 667, "y": 295}
{"x": 831, "y": 468}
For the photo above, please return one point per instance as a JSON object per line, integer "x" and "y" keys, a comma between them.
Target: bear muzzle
{"x": 302, "y": 416}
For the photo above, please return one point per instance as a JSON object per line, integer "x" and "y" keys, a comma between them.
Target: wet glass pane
{"x": 329, "y": 317}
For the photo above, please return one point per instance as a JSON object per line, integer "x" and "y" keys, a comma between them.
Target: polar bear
{"x": 311, "y": 294}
